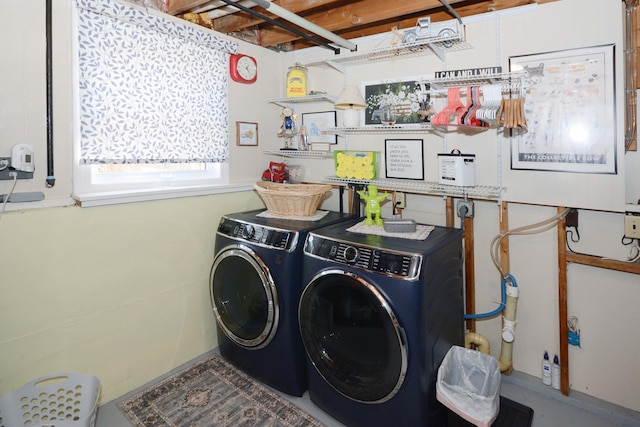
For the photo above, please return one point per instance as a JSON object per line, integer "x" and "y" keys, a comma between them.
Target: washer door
{"x": 352, "y": 337}
{"x": 244, "y": 297}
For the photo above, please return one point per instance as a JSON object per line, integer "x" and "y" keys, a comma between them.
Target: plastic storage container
{"x": 58, "y": 400}
{"x": 356, "y": 164}
{"x": 469, "y": 384}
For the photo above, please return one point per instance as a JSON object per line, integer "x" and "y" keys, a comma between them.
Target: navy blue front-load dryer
{"x": 377, "y": 316}
{"x": 255, "y": 287}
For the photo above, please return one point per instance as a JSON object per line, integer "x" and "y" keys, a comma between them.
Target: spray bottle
{"x": 546, "y": 369}
{"x": 555, "y": 373}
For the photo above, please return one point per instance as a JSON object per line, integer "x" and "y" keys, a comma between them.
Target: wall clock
{"x": 243, "y": 68}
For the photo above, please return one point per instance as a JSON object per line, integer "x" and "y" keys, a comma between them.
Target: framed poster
{"x": 315, "y": 122}
{"x": 404, "y": 158}
{"x": 403, "y": 96}
{"x": 570, "y": 112}
{"x": 246, "y": 133}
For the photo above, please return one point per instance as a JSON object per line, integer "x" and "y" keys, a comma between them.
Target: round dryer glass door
{"x": 352, "y": 337}
{"x": 244, "y": 297}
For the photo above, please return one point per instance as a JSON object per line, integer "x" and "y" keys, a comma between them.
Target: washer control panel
{"x": 257, "y": 234}
{"x": 383, "y": 261}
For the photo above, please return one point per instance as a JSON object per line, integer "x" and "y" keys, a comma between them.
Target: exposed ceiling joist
{"x": 347, "y": 18}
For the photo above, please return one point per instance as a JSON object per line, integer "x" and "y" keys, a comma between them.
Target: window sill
{"x": 103, "y": 199}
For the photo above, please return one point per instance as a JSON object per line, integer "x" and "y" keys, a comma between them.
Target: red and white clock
{"x": 243, "y": 68}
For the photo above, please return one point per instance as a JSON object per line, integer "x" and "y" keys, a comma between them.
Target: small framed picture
{"x": 316, "y": 122}
{"x": 404, "y": 158}
{"x": 246, "y": 133}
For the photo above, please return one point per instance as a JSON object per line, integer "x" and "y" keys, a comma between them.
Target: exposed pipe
{"x": 308, "y": 25}
{"x": 51, "y": 179}
{"x": 505, "y": 361}
{"x": 281, "y": 25}
{"x": 631, "y": 96}
{"x": 453, "y": 12}
{"x": 478, "y": 340}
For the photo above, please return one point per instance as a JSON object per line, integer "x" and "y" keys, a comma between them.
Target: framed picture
{"x": 570, "y": 112}
{"x": 405, "y": 97}
{"x": 404, "y": 158}
{"x": 246, "y": 133}
{"x": 316, "y": 122}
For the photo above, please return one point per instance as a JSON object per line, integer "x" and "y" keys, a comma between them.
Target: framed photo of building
{"x": 570, "y": 112}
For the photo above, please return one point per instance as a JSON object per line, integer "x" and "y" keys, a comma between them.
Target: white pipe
{"x": 508, "y": 333}
{"x": 308, "y": 25}
{"x": 478, "y": 340}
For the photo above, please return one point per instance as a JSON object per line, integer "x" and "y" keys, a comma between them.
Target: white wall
{"x": 121, "y": 291}
{"x": 603, "y": 300}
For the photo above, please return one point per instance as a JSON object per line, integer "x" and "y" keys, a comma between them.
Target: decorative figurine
{"x": 372, "y": 204}
{"x": 288, "y": 128}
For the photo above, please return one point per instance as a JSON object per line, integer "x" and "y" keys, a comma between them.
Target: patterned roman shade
{"x": 151, "y": 89}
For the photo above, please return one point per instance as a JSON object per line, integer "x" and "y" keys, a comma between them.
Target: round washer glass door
{"x": 244, "y": 297}
{"x": 352, "y": 337}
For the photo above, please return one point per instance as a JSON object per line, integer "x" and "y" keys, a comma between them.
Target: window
{"x": 151, "y": 104}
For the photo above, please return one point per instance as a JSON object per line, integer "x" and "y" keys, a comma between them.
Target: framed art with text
{"x": 404, "y": 158}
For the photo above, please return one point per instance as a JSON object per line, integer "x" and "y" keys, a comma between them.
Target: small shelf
{"x": 381, "y": 129}
{"x": 301, "y": 154}
{"x": 323, "y": 97}
{"x": 478, "y": 192}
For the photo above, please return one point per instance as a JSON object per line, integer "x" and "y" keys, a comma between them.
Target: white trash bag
{"x": 469, "y": 384}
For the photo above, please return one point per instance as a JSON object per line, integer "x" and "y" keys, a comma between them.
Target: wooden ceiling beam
{"x": 343, "y": 18}
{"x": 342, "y": 21}
{"x": 240, "y": 21}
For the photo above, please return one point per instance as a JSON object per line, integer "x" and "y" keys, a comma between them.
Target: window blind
{"x": 151, "y": 89}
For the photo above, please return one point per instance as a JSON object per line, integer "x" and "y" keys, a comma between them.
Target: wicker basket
{"x": 291, "y": 200}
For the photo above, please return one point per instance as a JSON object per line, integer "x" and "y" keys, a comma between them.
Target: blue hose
{"x": 502, "y": 304}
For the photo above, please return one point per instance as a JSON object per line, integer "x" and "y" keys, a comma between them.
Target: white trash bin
{"x": 469, "y": 384}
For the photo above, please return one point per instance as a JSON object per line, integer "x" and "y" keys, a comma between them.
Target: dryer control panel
{"x": 404, "y": 265}
{"x": 258, "y": 234}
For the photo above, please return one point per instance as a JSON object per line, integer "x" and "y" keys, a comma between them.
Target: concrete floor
{"x": 551, "y": 408}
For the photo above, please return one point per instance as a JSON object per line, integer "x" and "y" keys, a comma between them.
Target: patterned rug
{"x": 212, "y": 393}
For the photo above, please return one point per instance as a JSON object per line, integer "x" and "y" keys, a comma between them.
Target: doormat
{"x": 512, "y": 414}
{"x": 212, "y": 393}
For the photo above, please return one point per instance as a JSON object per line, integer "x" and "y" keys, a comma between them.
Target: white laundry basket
{"x": 469, "y": 384}
{"x": 63, "y": 399}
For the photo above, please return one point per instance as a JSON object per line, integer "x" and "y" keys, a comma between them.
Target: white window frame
{"x": 91, "y": 188}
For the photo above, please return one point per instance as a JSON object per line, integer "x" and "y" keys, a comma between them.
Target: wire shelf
{"x": 434, "y": 45}
{"x": 478, "y": 192}
{"x": 301, "y": 154}
{"x": 380, "y": 129}
{"x": 303, "y": 99}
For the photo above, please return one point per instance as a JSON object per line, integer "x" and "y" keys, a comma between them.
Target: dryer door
{"x": 352, "y": 337}
{"x": 244, "y": 297}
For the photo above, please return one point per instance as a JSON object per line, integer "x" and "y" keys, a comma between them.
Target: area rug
{"x": 212, "y": 393}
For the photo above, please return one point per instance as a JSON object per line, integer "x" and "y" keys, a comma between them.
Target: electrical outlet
{"x": 572, "y": 219}
{"x": 632, "y": 226}
{"x": 5, "y": 168}
{"x": 401, "y": 200}
{"x": 465, "y": 208}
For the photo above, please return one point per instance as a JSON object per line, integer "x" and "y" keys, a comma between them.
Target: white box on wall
{"x": 457, "y": 169}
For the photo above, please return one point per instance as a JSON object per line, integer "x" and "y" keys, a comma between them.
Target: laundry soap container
{"x": 296, "y": 81}
{"x": 468, "y": 383}
{"x": 457, "y": 169}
